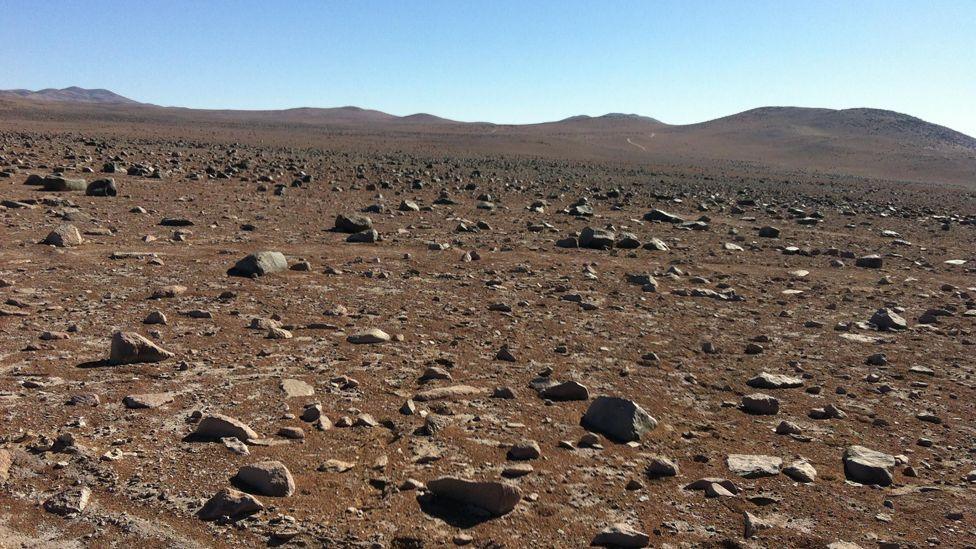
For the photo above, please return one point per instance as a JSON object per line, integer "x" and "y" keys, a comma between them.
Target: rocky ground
{"x": 246, "y": 344}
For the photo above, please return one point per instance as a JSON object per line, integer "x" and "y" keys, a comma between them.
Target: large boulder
{"x": 597, "y": 239}
{"x": 618, "y": 418}
{"x": 867, "y": 466}
{"x": 887, "y": 320}
{"x": 57, "y": 183}
{"x": 259, "y": 264}
{"x": 132, "y": 348}
{"x": 269, "y": 478}
{"x": 229, "y": 503}
{"x": 353, "y": 223}
{"x": 102, "y": 187}
{"x": 493, "y": 497}
{"x": 662, "y": 216}
{"x": 64, "y": 236}
{"x": 218, "y": 426}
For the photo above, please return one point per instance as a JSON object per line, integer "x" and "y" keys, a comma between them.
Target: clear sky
{"x": 506, "y": 61}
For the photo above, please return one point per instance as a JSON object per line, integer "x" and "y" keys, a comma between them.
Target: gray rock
{"x": 148, "y": 400}
{"x": 760, "y": 404}
{"x": 801, "y": 471}
{"x": 269, "y": 478}
{"x": 866, "y": 466}
{"x": 662, "y": 216}
{"x": 64, "y": 236}
{"x": 753, "y": 466}
{"x": 259, "y": 264}
{"x": 102, "y": 187}
{"x": 661, "y": 466}
{"x": 494, "y": 498}
{"x": 56, "y": 183}
{"x": 597, "y": 239}
{"x": 620, "y": 535}
{"x": 352, "y": 223}
{"x": 887, "y": 320}
{"x": 618, "y": 418}
{"x": 70, "y": 502}
{"x": 774, "y": 381}
{"x": 370, "y": 336}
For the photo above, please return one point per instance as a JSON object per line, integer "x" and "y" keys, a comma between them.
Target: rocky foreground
{"x": 227, "y": 344}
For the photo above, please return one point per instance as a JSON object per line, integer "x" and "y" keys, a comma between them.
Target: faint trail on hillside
{"x": 638, "y": 145}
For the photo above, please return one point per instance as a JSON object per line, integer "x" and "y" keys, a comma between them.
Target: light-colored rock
{"x": 867, "y": 466}
{"x": 132, "y": 348}
{"x": 217, "y": 426}
{"x": 753, "y": 466}
{"x": 229, "y": 503}
{"x": 269, "y": 478}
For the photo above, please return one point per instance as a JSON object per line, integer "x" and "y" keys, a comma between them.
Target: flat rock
{"x": 148, "y": 400}
{"x": 217, "y": 426}
{"x": 753, "y": 466}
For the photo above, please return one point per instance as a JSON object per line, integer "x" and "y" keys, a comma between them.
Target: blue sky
{"x": 502, "y": 61}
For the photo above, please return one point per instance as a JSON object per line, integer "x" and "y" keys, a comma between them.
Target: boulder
{"x": 64, "y": 236}
{"x": 774, "y": 381}
{"x": 269, "y": 478}
{"x": 867, "y": 466}
{"x": 760, "y": 404}
{"x": 493, "y": 497}
{"x": 352, "y": 223}
{"x": 370, "y": 336}
{"x": 229, "y": 503}
{"x": 753, "y": 466}
{"x": 217, "y": 426}
{"x": 662, "y": 216}
{"x": 102, "y": 187}
{"x": 597, "y": 239}
{"x": 618, "y": 418}
{"x": 567, "y": 390}
{"x": 132, "y": 348}
{"x": 57, "y": 183}
{"x": 259, "y": 264}
{"x": 887, "y": 320}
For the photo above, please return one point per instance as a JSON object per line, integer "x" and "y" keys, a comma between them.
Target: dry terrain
{"x": 495, "y": 336}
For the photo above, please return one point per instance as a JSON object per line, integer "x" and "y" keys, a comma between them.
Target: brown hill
{"x": 864, "y": 142}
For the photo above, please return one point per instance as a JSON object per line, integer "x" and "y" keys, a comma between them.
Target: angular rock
{"x": 65, "y": 236}
{"x": 618, "y": 418}
{"x": 259, "y": 264}
{"x": 867, "y": 466}
{"x": 229, "y": 503}
{"x": 269, "y": 478}
{"x": 132, "y": 348}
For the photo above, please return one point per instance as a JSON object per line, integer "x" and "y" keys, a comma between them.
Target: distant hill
{"x": 71, "y": 95}
{"x": 862, "y": 141}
